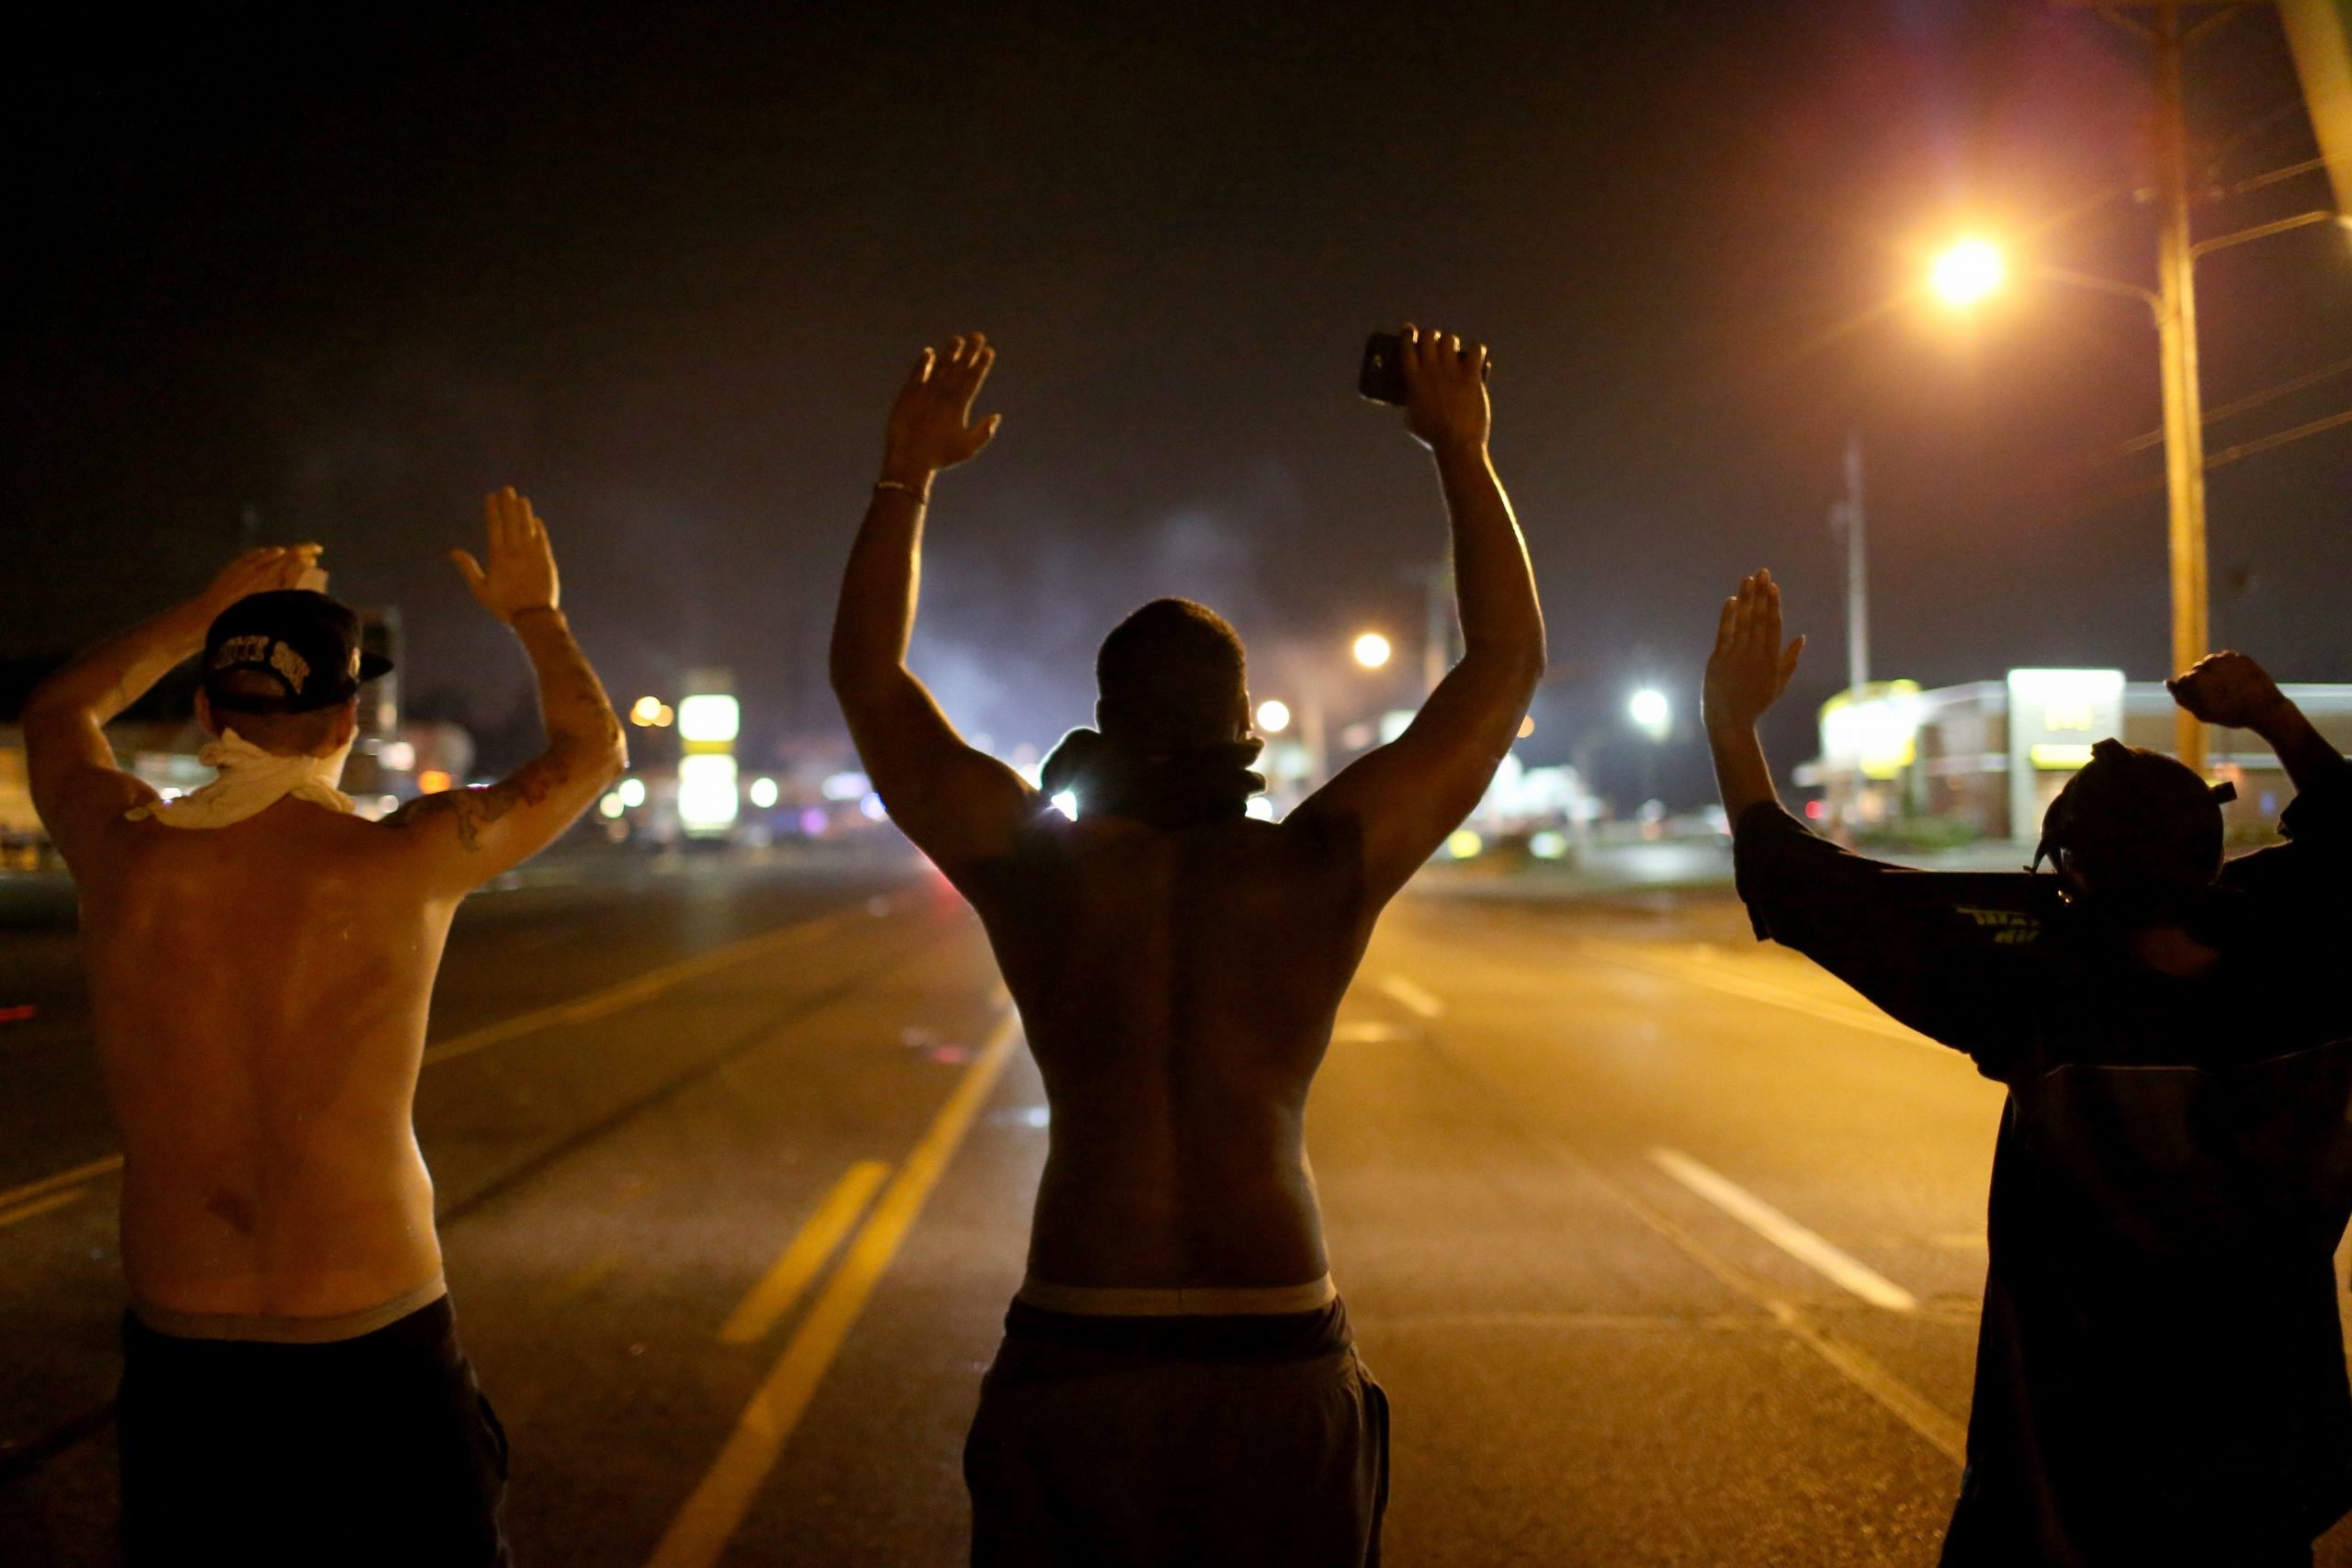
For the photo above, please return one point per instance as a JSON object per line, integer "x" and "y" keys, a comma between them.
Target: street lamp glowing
{"x": 1273, "y": 716}
{"x": 1372, "y": 650}
{"x": 1651, "y": 713}
{"x": 1967, "y": 271}
{"x": 641, "y": 711}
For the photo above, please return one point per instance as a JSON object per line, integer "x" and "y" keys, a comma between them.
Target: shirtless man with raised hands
{"x": 261, "y": 962}
{"x": 1177, "y": 1381}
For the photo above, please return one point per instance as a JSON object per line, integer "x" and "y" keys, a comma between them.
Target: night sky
{"x": 661, "y": 267}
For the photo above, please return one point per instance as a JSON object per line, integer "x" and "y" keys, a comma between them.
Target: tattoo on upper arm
{"x": 471, "y": 810}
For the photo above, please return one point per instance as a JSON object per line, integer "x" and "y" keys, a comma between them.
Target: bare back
{"x": 1179, "y": 990}
{"x": 260, "y": 988}
{"x": 1180, "y": 985}
{"x": 260, "y": 994}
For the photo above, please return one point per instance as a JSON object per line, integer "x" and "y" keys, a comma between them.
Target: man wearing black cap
{"x": 1177, "y": 1381}
{"x": 2160, "y": 1372}
{"x": 261, "y": 962}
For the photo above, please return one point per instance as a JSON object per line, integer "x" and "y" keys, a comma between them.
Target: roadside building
{"x": 1983, "y": 761}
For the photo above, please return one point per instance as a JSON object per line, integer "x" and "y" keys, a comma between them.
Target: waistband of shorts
{"x": 1040, "y": 1345}
{"x": 265, "y": 1328}
{"x": 1187, "y": 1301}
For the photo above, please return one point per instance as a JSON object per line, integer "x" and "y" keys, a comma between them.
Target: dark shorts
{"x": 1112, "y": 1442}
{"x": 375, "y": 1450}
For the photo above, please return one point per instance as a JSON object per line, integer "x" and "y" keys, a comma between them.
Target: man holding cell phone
{"x": 1177, "y": 1382}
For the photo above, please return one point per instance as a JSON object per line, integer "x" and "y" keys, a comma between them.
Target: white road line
{"x": 1411, "y": 997}
{"x": 1714, "y": 977}
{"x": 1784, "y": 1232}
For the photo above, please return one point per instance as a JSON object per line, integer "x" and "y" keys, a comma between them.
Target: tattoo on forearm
{"x": 571, "y": 700}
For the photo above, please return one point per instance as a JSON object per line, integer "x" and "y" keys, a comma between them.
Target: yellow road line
{"x": 708, "y": 1519}
{"x": 48, "y": 1184}
{"x": 768, "y": 1300}
{"x": 580, "y": 1010}
{"x": 638, "y": 988}
{"x": 39, "y": 1206}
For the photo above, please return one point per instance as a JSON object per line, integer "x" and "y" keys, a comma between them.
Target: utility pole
{"x": 2176, "y": 348}
{"x": 2175, "y": 306}
{"x": 1847, "y": 514}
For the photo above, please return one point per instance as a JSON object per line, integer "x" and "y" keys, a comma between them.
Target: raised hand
{"x": 931, "y": 423}
{"x": 1749, "y": 669}
{"x": 2228, "y": 689}
{"x": 257, "y": 572}
{"x": 1445, "y": 390}
{"x": 521, "y": 573}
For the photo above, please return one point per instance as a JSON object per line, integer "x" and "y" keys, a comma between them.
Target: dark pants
{"x": 1996, "y": 1526}
{"x": 378, "y": 1451}
{"x": 1160, "y": 1443}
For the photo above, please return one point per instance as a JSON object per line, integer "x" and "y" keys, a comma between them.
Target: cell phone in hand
{"x": 1382, "y": 378}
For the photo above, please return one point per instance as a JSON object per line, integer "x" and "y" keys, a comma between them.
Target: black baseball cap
{"x": 2143, "y": 820}
{"x": 307, "y": 644}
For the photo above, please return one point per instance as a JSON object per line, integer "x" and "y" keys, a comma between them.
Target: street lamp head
{"x": 1273, "y": 716}
{"x": 1968, "y": 272}
{"x": 1372, "y": 650}
{"x": 1651, "y": 713}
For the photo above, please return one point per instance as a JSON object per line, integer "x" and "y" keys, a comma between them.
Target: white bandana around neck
{"x": 251, "y": 782}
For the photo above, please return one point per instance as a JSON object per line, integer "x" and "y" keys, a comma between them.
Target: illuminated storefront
{"x": 1982, "y": 761}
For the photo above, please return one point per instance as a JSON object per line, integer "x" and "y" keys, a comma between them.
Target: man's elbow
{"x": 602, "y": 752}
{"x": 1513, "y": 664}
{"x": 860, "y": 680}
{"x": 614, "y": 749}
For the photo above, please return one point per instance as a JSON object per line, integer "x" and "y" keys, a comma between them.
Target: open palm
{"x": 1749, "y": 669}
{"x": 520, "y": 572}
{"x": 931, "y": 423}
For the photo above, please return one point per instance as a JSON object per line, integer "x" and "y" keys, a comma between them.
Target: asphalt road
{"x": 1667, "y": 1248}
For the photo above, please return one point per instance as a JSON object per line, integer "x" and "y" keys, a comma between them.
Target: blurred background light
{"x": 709, "y": 717}
{"x": 707, "y": 794}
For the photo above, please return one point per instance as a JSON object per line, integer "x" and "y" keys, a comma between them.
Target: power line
{"x": 2251, "y": 400}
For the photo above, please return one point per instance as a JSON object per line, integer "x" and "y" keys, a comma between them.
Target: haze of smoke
{"x": 1007, "y": 641}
